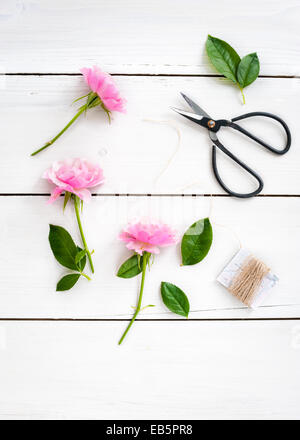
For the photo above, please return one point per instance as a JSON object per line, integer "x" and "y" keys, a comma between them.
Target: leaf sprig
{"x": 225, "y": 59}
{"x": 68, "y": 255}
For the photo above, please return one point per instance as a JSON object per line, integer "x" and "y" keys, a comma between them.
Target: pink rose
{"x": 102, "y": 83}
{"x": 74, "y": 176}
{"x": 145, "y": 239}
{"x": 103, "y": 93}
{"x": 148, "y": 237}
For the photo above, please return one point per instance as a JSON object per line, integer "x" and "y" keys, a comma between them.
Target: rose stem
{"x": 81, "y": 110}
{"x": 76, "y": 201}
{"x": 146, "y": 256}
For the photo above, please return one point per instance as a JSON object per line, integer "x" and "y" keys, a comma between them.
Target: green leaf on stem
{"x": 80, "y": 258}
{"x": 63, "y": 247}
{"x": 196, "y": 242}
{"x": 67, "y": 282}
{"x": 131, "y": 267}
{"x": 175, "y": 299}
{"x": 248, "y": 70}
{"x": 223, "y": 57}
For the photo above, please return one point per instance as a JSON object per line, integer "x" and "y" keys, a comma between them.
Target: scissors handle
{"x": 249, "y": 170}
{"x": 260, "y": 141}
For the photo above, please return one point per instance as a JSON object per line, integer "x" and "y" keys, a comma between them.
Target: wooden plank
{"x": 132, "y": 151}
{"x": 142, "y": 36}
{"x": 169, "y": 370}
{"x": 269, "y": 227}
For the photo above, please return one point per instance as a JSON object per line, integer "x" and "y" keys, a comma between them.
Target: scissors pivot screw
{"x": 211, "y": 123}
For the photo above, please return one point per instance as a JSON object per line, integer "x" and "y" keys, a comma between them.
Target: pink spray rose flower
{"x": 145, "y": 239}
{"x": 74, "y": 176}
{"x": 148, "y": 237}
{"x": 103, "y": 93}
{"x": 102, "y": 83}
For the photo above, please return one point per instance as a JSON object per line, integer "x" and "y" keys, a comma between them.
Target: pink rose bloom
{"x": 74, "y": 176}
{"x": 102, "y": 84}
{"x": 148, "y": 237}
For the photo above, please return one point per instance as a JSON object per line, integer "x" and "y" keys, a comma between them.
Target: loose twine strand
{"x": 247, "y": 281}
{"x": 181, "y": 189}
{"x": 210, "y": 216}
{"x": 170, "y": 160}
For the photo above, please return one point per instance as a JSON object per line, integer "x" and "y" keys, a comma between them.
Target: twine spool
{"x": 247, "y": 281}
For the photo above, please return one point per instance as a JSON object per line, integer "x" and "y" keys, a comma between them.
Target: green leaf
{"x": 223, "y": 57}
{"x": 248, "y": 70}
{"x": 80, "y": 258}
{"x": 175, "y": 299}
{"x": 196, "y": 242}
{"x": 67, "y": 282}
{"x": 131, "y": 267}
{"x": 63, "y": 247}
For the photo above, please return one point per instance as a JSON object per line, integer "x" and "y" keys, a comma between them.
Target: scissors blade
{"x": 191, "y": 116}
{"x": 213, "y": 136}
{"x": 195, "y": 106}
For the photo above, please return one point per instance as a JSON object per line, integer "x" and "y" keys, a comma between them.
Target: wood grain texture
{"x": 133, "y": 151}
{"x": 31, "y": 272}
{"x": 142, "y": 36}
{"x": 208, "y": 371}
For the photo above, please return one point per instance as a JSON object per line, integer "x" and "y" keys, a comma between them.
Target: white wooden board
{"x": 135, "y": 36}
{"x": 31, "y": 272}
{"x": 166, "y": 370}
{"x": 132, "y": 151}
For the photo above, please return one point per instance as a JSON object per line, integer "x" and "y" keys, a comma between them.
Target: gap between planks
{"x": 149, "y": 319}
{"x": 175, "y": 75}
{"x": 145, "y": 195}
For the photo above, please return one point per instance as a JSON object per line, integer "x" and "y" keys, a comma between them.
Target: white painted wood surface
{"x": 182, "y": 370}
{"x": 235, "y": 368}
{"x": 257, "y": 223}
{"x": 142, "y": 36}
{"x": 133, "y": 151}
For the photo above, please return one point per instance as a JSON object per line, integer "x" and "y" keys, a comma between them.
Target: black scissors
{"x": 213, "y": 126}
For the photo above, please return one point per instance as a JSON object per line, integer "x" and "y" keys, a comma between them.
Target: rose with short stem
{"x": 104, "y": 93}
{"x": 145, "y": 239}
